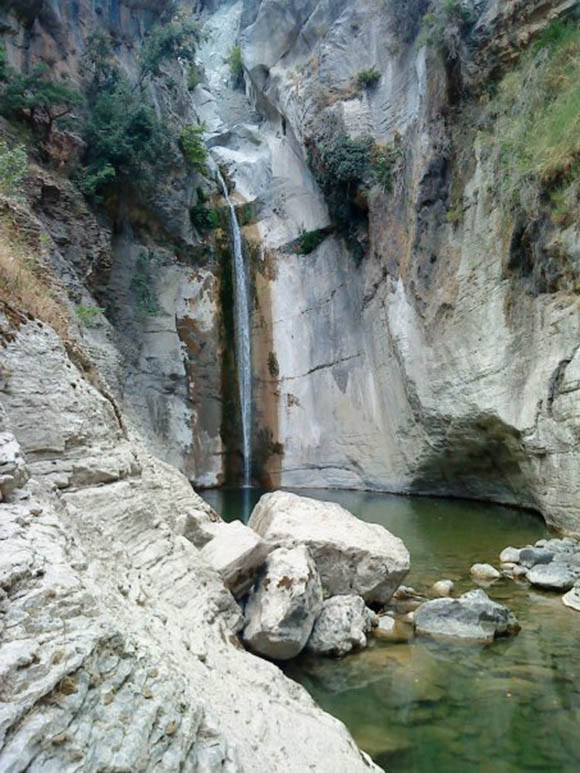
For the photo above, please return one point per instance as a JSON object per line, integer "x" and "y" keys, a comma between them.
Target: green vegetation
{"x": 175, "y": 40}
{"x": 385, "y": 161}
{"x": 193, "y": 147}
{"x": 236, "y": 66}
{"x": 89, "y": 315}
{"x": 124, "y": 138}
{"x": 368, "y": 78}
{"x": 37, "y": 99}
{"x": 308, "y": 241}
{"x": 205, "y": 218}
{"x": 454, "y": 216}
{"x": 13, "y": 168}
{"x": 536, "y": 135}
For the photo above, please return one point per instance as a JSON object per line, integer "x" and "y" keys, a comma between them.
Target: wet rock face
{"x": 471, "y": 617}
{"x": 351, "y": 556}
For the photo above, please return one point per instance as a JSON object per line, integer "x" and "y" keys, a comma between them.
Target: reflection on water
{"x": 440, "y": 707}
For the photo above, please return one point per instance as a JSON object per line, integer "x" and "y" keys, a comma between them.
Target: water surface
{"x": 445, "y": 708}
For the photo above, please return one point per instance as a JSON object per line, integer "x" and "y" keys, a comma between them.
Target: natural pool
{"x": 441, "y": 707}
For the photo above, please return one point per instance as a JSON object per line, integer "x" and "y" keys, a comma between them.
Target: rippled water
{"x": 440, "y": 707}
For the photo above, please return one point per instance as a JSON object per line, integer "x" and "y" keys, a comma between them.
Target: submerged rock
{"x": 473, "y": 616}
{"x": 443, "y": 588}
{"x": 284, "y": 604}
{"x": 341, "y": 626}
{"x": 351, "y": 556}
{"x": 236, "y": 553}
{"x": 484, "y": 572}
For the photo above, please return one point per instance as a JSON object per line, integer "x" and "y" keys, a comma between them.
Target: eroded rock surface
{"x": 351, "y": 556}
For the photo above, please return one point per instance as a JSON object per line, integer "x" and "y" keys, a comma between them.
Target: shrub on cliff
{"x": 38, "y": 99}
{"x": 236, "y": 67}
{"x": 366, "y": 79}
{"x": 124, "y": 138}
{"x": 175, "y": 40}
{"x": 193, "y": 147}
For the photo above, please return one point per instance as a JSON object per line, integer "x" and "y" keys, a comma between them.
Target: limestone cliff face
{"x": 434, "y": 364}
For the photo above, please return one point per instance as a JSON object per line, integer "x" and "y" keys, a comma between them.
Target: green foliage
{"x": 308, "y": 241}
{"x": 142, "y": 285}
{"x": 236, "y": 66}
{"x": 193, "y": 147}
{"x": 368, "y": 78}
{"x": 385, "y": 161}
{"x": 454, "y": 215}
{"x": 175, "y": 40}
{"x": 13, "y": 168}
{"x": 99, "y": 62}
{"x": 123, "y": 136}
{"x": 89, "y": 315}
{"x": 204, "y": 218}
{"x": 38, "y": 99}
{"x": 537, "y": 123}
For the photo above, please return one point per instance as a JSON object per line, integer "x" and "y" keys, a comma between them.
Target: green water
{"x": 440, "y": 707}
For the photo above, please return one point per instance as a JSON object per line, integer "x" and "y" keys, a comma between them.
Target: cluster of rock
{"x": 304, "y": 572}
{"x": 552, "y": 565}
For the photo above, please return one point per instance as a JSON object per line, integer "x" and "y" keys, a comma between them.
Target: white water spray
{"x": 242, "y": 333}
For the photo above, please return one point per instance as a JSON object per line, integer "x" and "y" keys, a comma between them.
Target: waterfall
{"x": 242, "y": 333}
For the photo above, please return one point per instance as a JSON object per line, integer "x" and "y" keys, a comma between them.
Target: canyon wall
{"x": 445, "y": 360}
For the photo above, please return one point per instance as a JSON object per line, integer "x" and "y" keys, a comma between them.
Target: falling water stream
{"x": 242, "y": 334}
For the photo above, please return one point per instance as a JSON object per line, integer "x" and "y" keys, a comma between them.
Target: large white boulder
{"x": 342, "y": 626}
{"x": 351, "y": 556}
{"x": 236, "y": 552}
{"x": 284, "y": 604}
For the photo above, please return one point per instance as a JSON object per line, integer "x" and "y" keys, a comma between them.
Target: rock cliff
{"x": 432, "y": 346}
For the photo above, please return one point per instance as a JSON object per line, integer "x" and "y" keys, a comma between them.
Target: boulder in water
{"x": 341, "y": 626}
{"x": 473, "y": 616}
{"x": 443, "y": 588}
{"x": 484, "y": 573}
{"x": 558, "y": 576}
{"x": 284, "y": 604}
{"x": 351, "y": 556}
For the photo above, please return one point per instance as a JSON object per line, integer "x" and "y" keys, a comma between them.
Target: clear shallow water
{"x": 439, "y": 707}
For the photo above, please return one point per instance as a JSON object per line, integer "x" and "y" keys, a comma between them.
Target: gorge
{"x": 311, "y": 245}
